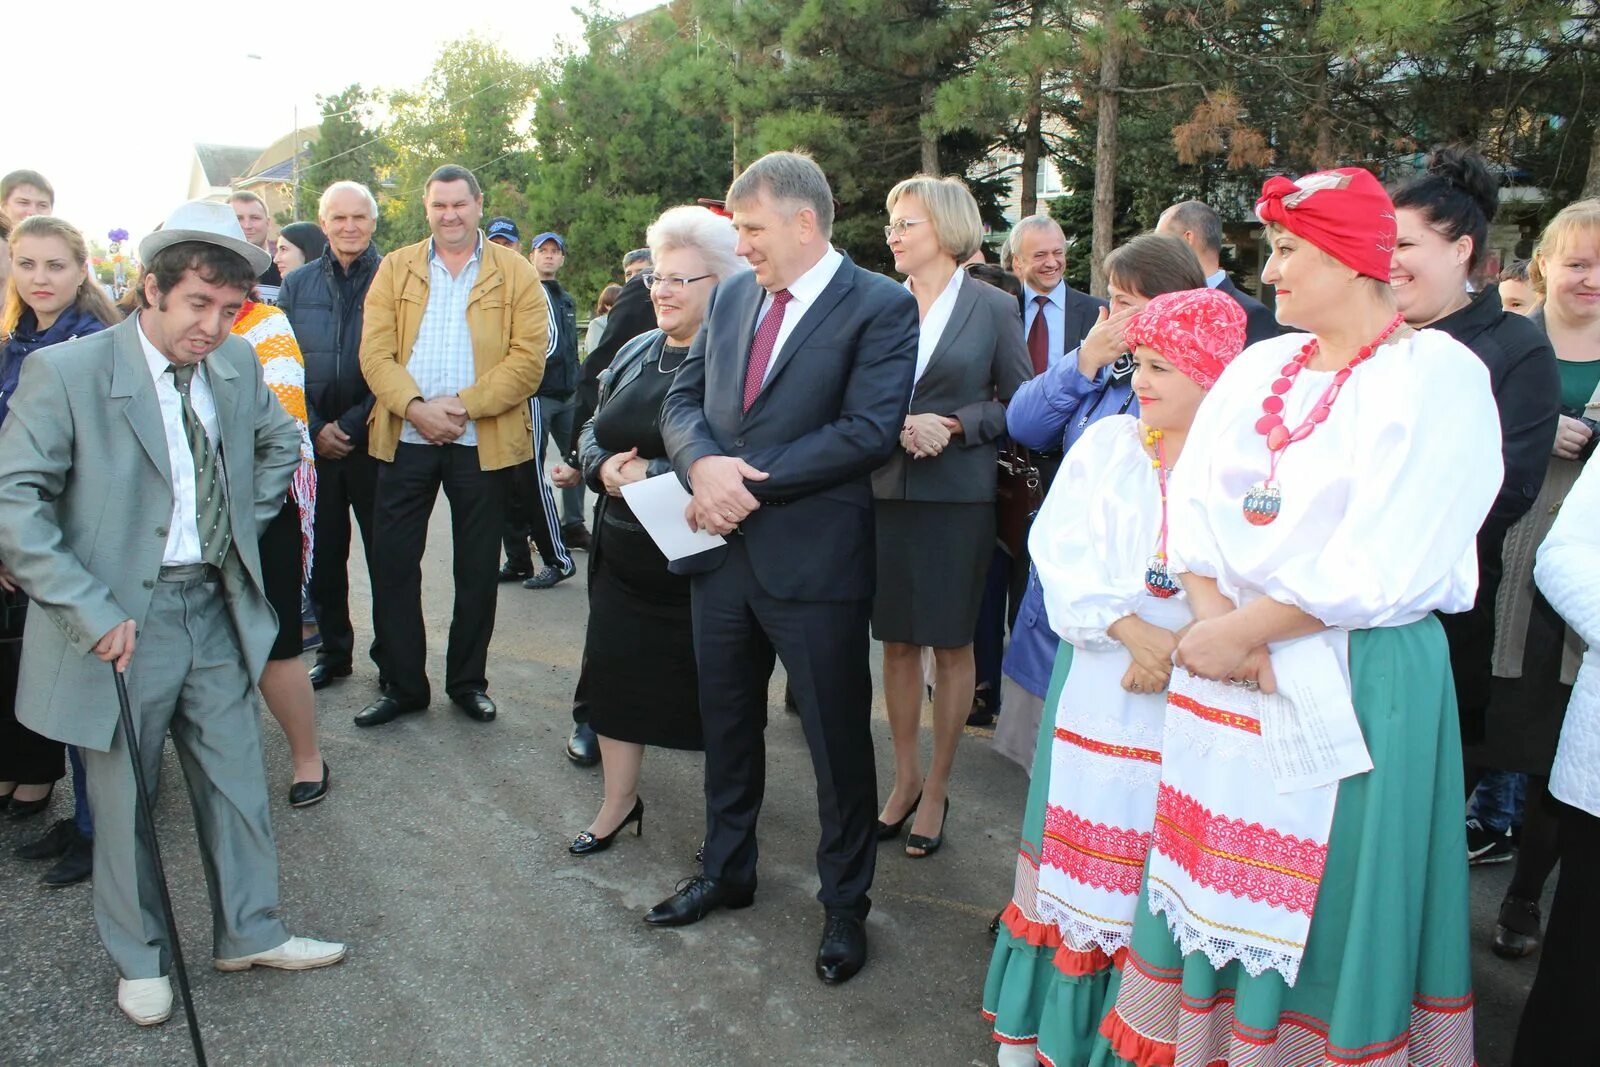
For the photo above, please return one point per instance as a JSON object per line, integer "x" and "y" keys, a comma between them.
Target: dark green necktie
{"x": 210, "y": 500}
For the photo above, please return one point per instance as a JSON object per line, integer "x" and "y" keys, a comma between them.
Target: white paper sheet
{"x": 659, "y": 503}
{"x": 1309, "y": 726}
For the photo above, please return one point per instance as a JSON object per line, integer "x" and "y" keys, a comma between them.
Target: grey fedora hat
{"x": 207, "y": 221}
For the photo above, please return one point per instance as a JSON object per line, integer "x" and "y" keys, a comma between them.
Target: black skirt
{"x": 932, "y": 562}
{"x": 280, "y": 575}
{"x": 639, "y": 673}
{"x": 1523, "y": 723}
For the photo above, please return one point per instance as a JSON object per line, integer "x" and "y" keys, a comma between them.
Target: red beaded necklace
{"x": 1264, "y": 500}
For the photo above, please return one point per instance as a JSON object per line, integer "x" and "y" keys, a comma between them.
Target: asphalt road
{"x": 476, "y": 939}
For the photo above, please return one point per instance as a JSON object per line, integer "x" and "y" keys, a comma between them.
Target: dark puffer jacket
{"x": 324, "y": 303}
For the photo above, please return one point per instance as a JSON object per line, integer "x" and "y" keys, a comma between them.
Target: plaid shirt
{"x": 441, "y": 360}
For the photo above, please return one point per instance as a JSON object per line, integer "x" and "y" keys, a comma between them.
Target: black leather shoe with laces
{"x": 697, "y": 897}
{"x": 843, "y": 951}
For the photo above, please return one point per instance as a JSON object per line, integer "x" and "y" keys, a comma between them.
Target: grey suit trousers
{"x": 187, "y": 675}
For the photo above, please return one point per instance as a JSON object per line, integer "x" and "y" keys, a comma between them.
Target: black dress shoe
{"x": 697, "y": 897}
{"x": 324, "y": 673}
{"x": 843, "y": 951}
{"x": 73, "y": 867}
{"x": 475, "y": 704}
{"x": 508, "y": 573}
{"x": 927, "y": 846}
{"x": 26, "y": 809}
{"x": 890, "y": 831}
{"x": 53, "y": 844}
{"x": 305, "y": 794}
{"x": 585, "y": 843}
{"x": 583, "y": 747}
{"x": 386, "y": 709}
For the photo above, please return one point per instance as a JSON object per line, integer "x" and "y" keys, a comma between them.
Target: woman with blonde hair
{"x": 933, "y": 502}
{"x": 51, "y": 296}
{"x": 1536, "y": 654}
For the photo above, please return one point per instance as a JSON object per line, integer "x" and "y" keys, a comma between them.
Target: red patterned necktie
{"x": 1039, "y": 338}
{"x": 761, "y": 347}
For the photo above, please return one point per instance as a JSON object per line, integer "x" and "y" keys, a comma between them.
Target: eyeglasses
{"x": 670, "y": 283}
{"x": 898, "y": 227}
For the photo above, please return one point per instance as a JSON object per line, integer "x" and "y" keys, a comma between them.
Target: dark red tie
{"x": 761, "y": 347}
{"x": 1039, "y": 338}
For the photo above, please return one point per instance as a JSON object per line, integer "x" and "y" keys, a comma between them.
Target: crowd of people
{"x": 1285, "y": 610}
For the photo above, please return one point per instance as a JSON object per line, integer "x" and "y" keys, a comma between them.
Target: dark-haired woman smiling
{"x": 1442, "y": 220}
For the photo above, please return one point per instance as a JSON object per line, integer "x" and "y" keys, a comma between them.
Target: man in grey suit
{"x": 137, "y": 469}
{"x": 1198, "y": 226}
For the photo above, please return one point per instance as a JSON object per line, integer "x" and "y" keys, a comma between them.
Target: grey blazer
{"x": 980, "y": 361}
{"x": 85, "y": 501}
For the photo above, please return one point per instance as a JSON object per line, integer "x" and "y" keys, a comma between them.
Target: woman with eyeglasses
{"x": 638, "y": 677}
{"x": 933, "y": 502}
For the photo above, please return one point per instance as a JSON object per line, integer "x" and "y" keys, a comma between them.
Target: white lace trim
{"x": 1083, "y": 935}
{"x": 1107, "y": 770}
{"x": 1188, "y": 733}
{"x": 1221, "y": 949}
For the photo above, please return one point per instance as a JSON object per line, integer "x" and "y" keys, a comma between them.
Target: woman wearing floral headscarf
{"x": 1100, "y": 546}
{"x": 1305, "y": 900}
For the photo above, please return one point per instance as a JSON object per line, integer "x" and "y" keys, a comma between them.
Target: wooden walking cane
{"x": 143, "y": 804}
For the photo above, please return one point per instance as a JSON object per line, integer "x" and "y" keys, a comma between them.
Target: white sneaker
{"x": 147, "y": 1001}
{"x": 295, "y": 954}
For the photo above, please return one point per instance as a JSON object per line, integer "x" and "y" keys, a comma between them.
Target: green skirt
{"x": 1026, "y": 998}
{"x": 1386, "y": 979}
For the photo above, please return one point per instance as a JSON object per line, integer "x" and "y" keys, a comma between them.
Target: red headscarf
{"x": 1344, "y": 212}
{"x": 1198, "y": 331}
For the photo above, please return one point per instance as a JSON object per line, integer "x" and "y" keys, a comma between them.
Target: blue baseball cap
{"x": 543, "y": 237}
{"x": 504, "y": 227}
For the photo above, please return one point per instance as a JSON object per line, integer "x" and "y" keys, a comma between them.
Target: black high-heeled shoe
{"x": 888, "y": 831}
{"x": 586, "y": 843}
{"x": 928, "y": 845}
{"x": 22, "y": 809}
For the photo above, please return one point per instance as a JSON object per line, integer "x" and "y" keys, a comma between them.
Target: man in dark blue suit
{"x": 1198, "y": 226}
{"x": 794, "y": 392}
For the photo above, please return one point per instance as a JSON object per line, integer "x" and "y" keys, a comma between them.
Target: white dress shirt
{"x": 803, "y": 292}
{"x": 441, "y": 359}
{"x": 938, "y": 318}
{"x": 183, "y": 532}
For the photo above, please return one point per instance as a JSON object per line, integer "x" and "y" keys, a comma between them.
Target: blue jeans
{"x": 80, "y": 794}
{"x": 1497, "y": 801}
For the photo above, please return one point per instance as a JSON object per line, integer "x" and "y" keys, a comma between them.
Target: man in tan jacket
{"x": 453, "y": 346}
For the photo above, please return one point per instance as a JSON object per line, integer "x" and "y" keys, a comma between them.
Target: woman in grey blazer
{"x": 934, "y": 499}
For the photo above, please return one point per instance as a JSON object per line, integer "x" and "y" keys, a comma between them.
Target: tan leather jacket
{"x": 509, "y": 319}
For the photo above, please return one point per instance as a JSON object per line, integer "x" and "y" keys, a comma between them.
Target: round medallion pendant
{"x": 1261, "y": 504}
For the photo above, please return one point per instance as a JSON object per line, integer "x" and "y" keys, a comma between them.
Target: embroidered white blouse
{"x": 1381, "y": 504}
{"x": 1097, "y": 531}
{"x": 1568, "y": 577}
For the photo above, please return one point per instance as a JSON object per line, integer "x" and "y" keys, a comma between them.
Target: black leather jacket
{"x": 324, "y": 303}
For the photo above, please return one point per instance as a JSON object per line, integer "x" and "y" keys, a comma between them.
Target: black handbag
{"x": 1019, "y": 493}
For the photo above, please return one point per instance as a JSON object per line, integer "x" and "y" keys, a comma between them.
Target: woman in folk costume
{"x": 1305, "y": 900}
{"x": 1100, "y": 546}
{"x": 286, "y": 556}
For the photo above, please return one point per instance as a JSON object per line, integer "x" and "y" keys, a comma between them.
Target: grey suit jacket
{"x": 85, "y": 501}
{"x": 980, "y": 361}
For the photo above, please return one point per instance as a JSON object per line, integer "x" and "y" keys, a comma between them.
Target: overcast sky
{"x": 107, "y": 100}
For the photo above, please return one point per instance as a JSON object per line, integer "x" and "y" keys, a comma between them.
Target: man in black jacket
{"x": 557, "y": 403}
{"x": 1198, "y": 226}
{"x": 324, "y": 301}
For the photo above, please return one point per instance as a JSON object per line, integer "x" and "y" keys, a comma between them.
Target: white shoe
{"x": 295, "y": 954}
{"x": 147, "y": 1001}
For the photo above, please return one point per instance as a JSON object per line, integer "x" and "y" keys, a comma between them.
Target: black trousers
{"x": 344, "y": 486}
{"x": 738, "y": 630}
{"x": 1568, "y": 981}
{"x": 407, "y": 490}
{"x": 25, "y": 757}
{"x": 530, "y": 513}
